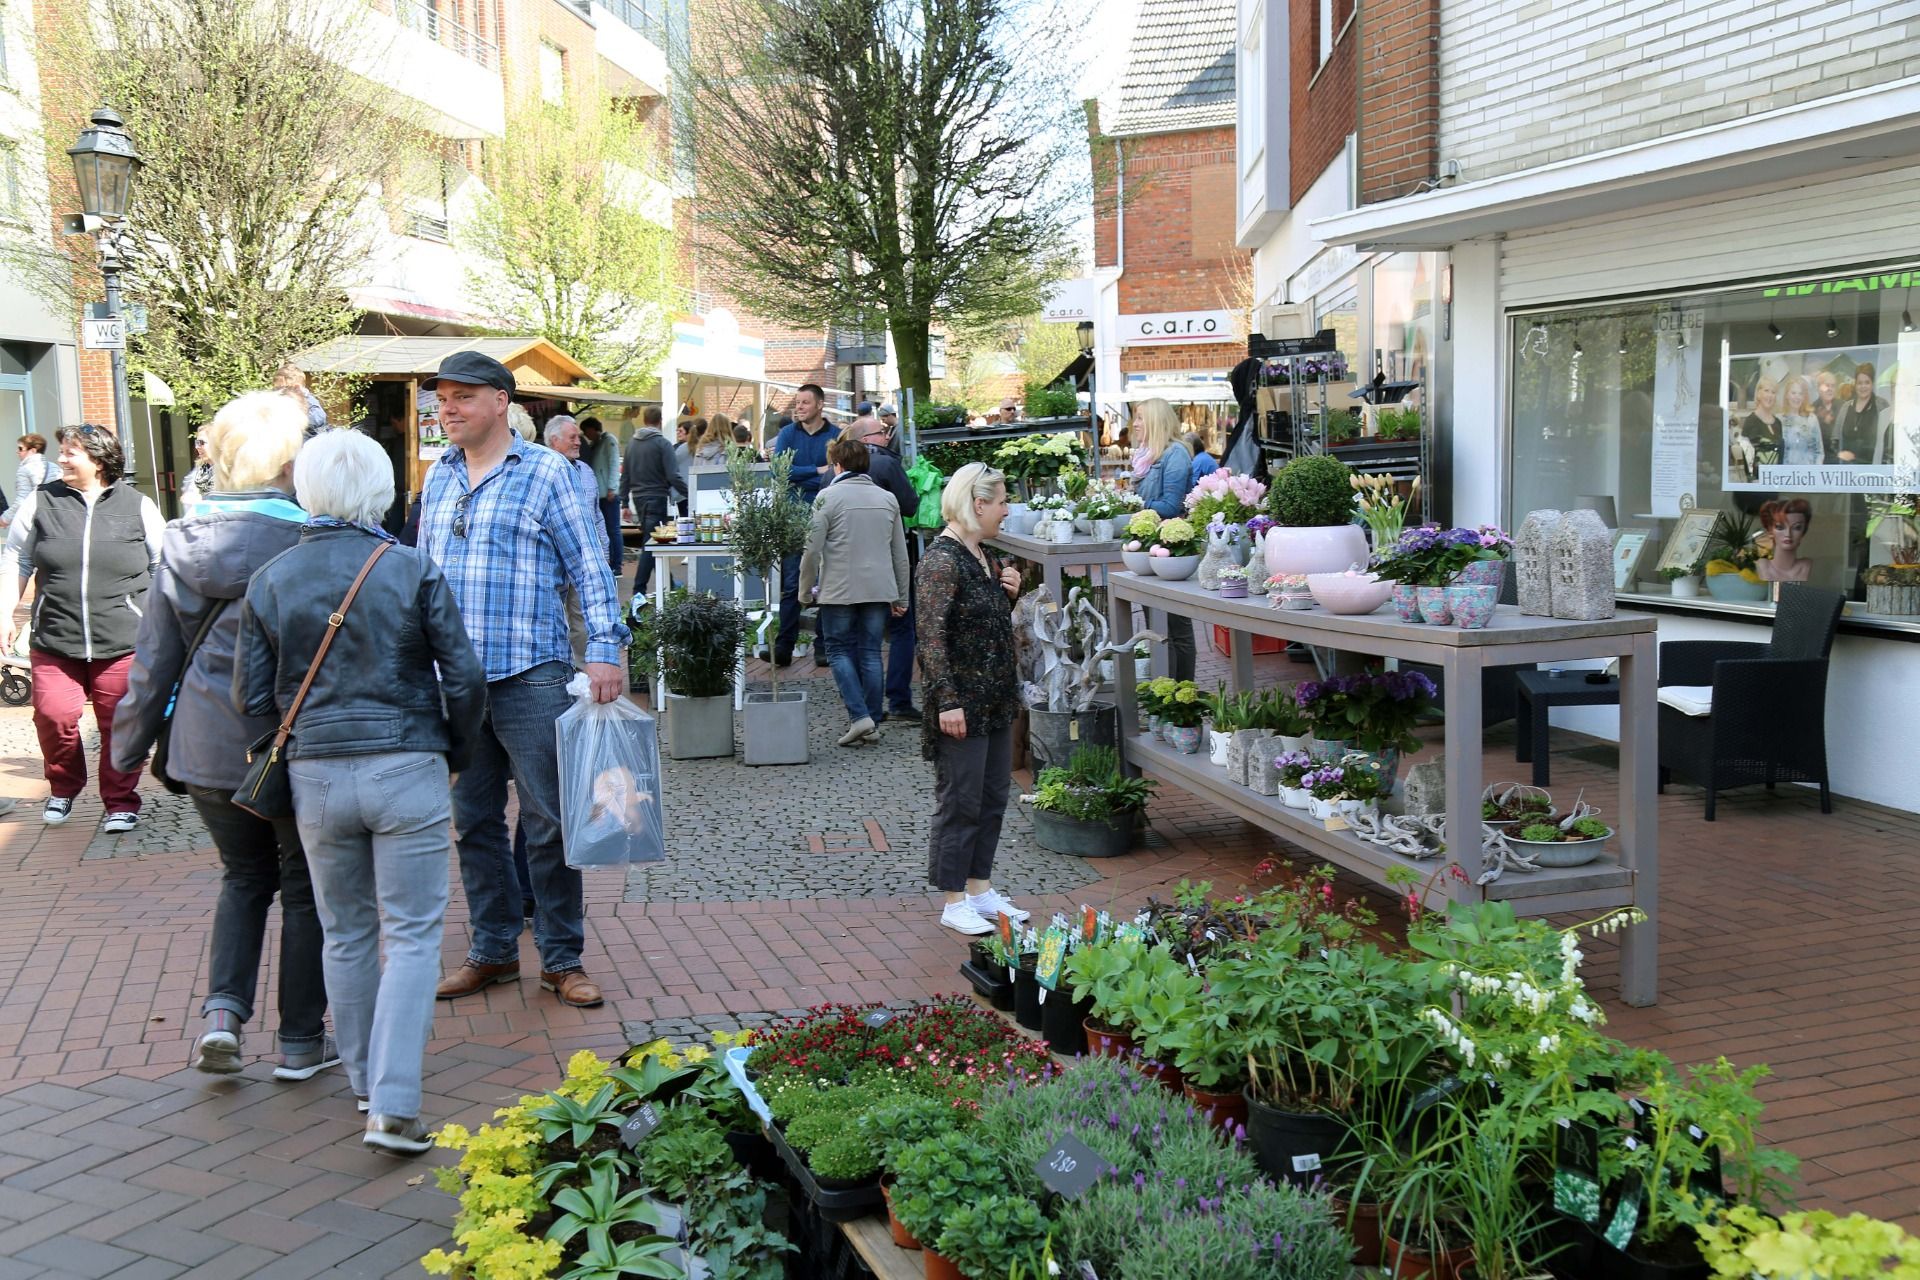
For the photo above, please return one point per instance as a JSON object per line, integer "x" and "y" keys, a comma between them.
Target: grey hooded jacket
{"x": 206, "y": 560}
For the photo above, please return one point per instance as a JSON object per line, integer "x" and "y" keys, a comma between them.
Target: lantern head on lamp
{"x": 104, "y": 161}
{"x": 1084, "y": 332}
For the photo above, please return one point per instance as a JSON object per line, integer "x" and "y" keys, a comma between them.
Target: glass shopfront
{"x": 1735, "y": 438}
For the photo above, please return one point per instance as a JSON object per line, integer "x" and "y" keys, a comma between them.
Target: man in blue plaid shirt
{"x": 502, "y": 517}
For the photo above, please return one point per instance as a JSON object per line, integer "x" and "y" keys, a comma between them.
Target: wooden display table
{"x": 1629, "y": 877}
{"x": 1054, "y": 557}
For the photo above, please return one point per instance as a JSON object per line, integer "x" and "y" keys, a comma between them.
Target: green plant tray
{"x": 833, "y": 1204}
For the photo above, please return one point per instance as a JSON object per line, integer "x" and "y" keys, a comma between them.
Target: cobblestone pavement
{"x": 1787, "y": 937}
{"x": 869, "y": 826}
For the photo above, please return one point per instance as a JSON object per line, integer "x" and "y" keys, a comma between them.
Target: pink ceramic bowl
{"x": 1349, "y": 592}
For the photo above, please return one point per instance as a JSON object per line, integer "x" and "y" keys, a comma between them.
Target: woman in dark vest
{"x": 90, "y": 544}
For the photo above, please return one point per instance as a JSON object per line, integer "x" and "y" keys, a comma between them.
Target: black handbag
{"x": 158, "y": 766}
{"x": 266, "y": 791}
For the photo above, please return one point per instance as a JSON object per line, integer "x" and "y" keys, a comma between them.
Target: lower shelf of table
{"x": 1596, "y": 886}
{"x": 873, "y": 1241}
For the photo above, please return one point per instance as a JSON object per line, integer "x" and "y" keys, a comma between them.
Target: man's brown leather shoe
{"x": 573, "y": 987}
{"x": 471, "y": 977}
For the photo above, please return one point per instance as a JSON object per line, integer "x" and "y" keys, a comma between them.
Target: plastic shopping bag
{"x": 928, "y": 483}
{"x": 609, "y": 782}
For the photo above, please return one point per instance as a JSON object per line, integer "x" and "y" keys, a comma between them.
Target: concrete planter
{"x": 775, "y": 728}
{"x": 699, "y": 728}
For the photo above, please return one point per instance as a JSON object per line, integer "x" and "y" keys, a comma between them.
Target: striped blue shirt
{"x": 524, "y": 535}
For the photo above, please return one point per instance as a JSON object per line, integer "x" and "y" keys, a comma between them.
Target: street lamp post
{"x": 1084, "y": 331}
{"x": 104, "y": 162}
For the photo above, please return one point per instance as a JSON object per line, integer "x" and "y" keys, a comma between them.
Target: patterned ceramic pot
{"x": 1184, "y": 738}
{"x": 1328, "y": 750}
{"x": 1217, "y": 744}
{"x": 1385, "y": 765}
{"x": 1482, "y": 573}
{"x": 1406, "y": 602}
{"x": 1433, "y": 605}
{"x": 1472, "y": 606}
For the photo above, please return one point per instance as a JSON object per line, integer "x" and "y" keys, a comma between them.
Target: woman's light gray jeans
{"x": 377, "y": 830}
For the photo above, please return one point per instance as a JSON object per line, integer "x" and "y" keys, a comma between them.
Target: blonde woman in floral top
{"x": 964, "y": 600}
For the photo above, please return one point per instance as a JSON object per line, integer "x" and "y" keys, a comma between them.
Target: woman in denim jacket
{"x": 1164, "y": 489}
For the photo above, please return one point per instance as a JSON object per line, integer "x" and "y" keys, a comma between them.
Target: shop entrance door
{"x": 16, "y": 420}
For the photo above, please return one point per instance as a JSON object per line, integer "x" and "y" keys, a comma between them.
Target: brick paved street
{"x": 1788, "y": 937}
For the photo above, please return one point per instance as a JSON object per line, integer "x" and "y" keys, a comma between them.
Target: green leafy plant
{"x": 935, "y": 1176}
{"x": 1675, "y": 572}
{"x": 1056, "y": 401}
{"x": 572, "y": 1118}
{"x": 769, "y": 522}
{"x": 607, "y": 1260}
{"x": 1091, "y": 787}
{"x": 1072, "y": 482}
{"x": 599, "y": 1207}
{"x": 1745, "y": 1243}
{"x": 843, "y": 1157}
{"x": 1397, "y": 423}
{"x": 892, "y": 1127}
{"x": 1312, "y": 492}
{"x": 1036, "y": 459}
{"x": 992, "y": 1235}
{"x": 700, "y": 636}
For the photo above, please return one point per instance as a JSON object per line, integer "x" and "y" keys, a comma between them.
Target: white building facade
{"x": 1674, "y": 279}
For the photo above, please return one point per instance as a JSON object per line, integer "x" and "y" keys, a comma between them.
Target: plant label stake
{"x": 641, "y": 1126}
{"x": 1576, "y": 1186}
{"x": 1627, "y": 1216}
{"x": 878, "y": 1018}
{"x": 1086, "y": 1272}
{"x": 1070, "y": 1167}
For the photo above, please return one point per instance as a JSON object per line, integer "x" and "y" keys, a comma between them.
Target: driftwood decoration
{"x": 1058, "y": 681}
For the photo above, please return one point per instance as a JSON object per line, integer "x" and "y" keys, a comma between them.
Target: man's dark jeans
{"x": 900, "y": 641}
{"x": 616, "y": 552}
{"x": 650, "y": 511}
{"x": 517, "y": 741}
{"x": 853, "y": 633}
{"x": 258, "y": 859}
{"x": 789, "y": 607}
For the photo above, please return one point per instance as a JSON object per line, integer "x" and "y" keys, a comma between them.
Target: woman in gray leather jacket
{"x": 373, "y": 747}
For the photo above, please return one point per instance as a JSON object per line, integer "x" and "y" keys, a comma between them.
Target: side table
{"x": 1537, "y": 693}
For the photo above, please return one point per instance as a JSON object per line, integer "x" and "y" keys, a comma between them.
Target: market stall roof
{"x": 584, "y": 395}
{"x": 534, "y": 360}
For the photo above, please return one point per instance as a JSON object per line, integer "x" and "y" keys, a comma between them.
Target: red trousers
{"x": 61, "y": 688}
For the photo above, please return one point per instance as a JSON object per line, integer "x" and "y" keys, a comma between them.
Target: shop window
{"x": 1751, "y": 435}
{"x": 1403, "y": 317}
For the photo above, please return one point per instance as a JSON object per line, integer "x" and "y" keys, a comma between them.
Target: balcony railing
{"x": 648, "y": 17}
{"x": 440, "y": 23}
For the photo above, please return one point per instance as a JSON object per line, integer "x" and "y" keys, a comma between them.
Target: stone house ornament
{"x": 1532, "y": 569}
{"x": 1581, "y": 560}
{"x": 1425, "y": 789}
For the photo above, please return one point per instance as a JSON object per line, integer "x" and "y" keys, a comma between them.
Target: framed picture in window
{"x": 1687, "y": 544}
{"x": 1629, "y": 545}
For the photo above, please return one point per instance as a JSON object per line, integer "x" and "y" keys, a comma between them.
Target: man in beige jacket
{"x": 855, "y": 567}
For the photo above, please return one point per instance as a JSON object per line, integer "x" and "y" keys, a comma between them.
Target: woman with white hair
{"x": 375, "y": 737}
{"x": 185, "y": 646}
{"x": 963, "y": 597}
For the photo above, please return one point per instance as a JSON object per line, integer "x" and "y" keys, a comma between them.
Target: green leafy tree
{"x": 896, "y": 161}
{"x": 571, "y": 239}
{"x": 262, "y": 151}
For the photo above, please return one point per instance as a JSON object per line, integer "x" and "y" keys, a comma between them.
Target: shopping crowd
{"x": 342, "y": 704}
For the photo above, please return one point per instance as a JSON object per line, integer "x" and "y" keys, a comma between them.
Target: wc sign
{"x": 1168, "y": 328}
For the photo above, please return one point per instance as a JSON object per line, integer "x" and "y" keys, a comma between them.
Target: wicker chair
{"x": 1767, "y": 721}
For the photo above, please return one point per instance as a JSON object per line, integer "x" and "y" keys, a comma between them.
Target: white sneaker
{"x": 58, "y": 810}
{"x": 118, "y": 822}
{"x": 992, "y": 903}
{"x": 857, "y": 731}
{"x": 962, "y": 918}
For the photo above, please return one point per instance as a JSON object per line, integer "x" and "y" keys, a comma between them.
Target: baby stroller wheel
{"x": 16, "y": 688}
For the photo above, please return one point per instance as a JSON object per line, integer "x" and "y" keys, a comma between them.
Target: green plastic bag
{"x": 927, "y": 482}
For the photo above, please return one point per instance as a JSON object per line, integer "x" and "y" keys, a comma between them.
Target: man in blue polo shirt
{"x": 808, "y": 435}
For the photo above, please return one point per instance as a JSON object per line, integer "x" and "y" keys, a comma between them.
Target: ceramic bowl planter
{"x": 1472, "y": 606}
{"x": 1406, "y": 602}
{"x": 1349, "y": 592}
{"x": 1137, "y": 562}
{"x": 1184, "y": 738}
{"x": 1218, "y": 744}
{"x": 1175, "y": 568}
{"x": 1323, "y": 549}
{"x": 1433, "y": 605}
{"x": 1558, "y": 853}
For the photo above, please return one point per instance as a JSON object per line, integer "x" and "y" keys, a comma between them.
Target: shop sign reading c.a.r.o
{"x": 1167, "y": 328}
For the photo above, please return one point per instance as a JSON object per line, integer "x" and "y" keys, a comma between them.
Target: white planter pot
{"x": 1321, "y": 549}
{"x": 1175, "y": 568}
{"x": 1103, "y": 530}
{"x": 1686, "y": 588}
{"x": 1288, "y": 743}
{"x": 1217, "y": 744}
{"x": 1320, "y": 809}
{"x": 1294, "y": 797}
{"x": 1020, "y": 522}
{"x": 1137, "y": 562}
{"x": 1061, "y": 531}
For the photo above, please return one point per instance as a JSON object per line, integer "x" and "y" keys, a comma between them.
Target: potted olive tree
{"x": 699, "y": 635}
{"x": 769, "y": 524}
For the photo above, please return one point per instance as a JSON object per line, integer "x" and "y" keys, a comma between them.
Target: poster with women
{"x": 1815, "y": 421}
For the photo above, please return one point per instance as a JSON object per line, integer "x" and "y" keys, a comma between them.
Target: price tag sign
{"x": 1306, "y": 1163}
{"x": 878, "y": 1018}
{"x": 640, "y": 1126}
{"x": 1070, "y": 1167}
